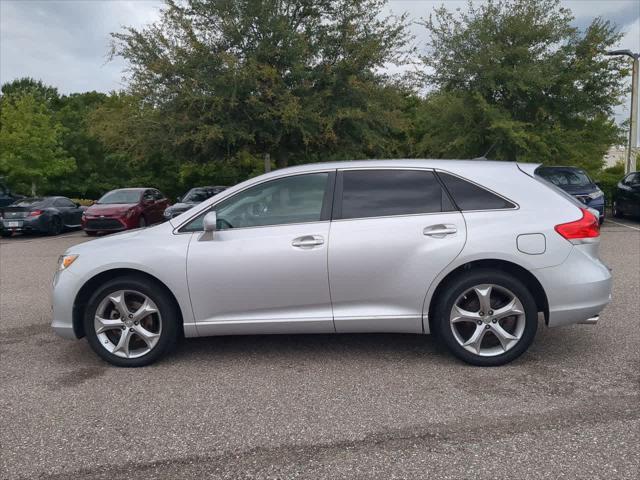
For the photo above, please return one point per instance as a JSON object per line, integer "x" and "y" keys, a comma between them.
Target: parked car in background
{"x": 6, "y": 196}
{"x": 577, "y": 183}
{"x": 473, "y": 251}
{"x": 626, "y": 199}
{"x": 124, "y": 209}
{"x": 192, "y": 197}
{"x": 49, "y": 215}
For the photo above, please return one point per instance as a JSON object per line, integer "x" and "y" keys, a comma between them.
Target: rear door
{"x": 393, "y": 231}
{"x": 69, "y": 211}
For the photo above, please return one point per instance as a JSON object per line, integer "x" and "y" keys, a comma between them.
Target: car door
{"x": 265, "y": 269}
{"x": 69, "y": 211}
{"x": 392, "y": 233}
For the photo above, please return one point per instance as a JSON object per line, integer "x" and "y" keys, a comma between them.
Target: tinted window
{"x": 197, "y": 195}
{"x": 64, "y": 202}
{"x": 31, "y": 202}
{"x": 295, "y": 199}
{"x": 565, "y": 177}
{"x": 472, "y": 197}
{"x": 377, "y": 193}
{"x": 632, "y": 179}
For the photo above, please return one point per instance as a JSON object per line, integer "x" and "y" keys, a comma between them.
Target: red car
{"x": 123, "y": 209}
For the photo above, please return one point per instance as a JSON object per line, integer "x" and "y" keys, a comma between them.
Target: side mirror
{"x": 210, "y": 222}
{"x": 178, "y": 199}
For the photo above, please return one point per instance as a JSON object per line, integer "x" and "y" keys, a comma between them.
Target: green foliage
{"x": 513, "y": 77}
{"x": 298, "y": 79}
{"x": 31, "y": 143}
{"x": 608, "y": 179}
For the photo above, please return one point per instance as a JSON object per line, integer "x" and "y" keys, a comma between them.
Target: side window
{"x": 158, "y": 195}
{"x": 294, "y": 199}
{"x": 632, "y": 179}
{"x": 148, "y": 196}
{"x": 472, "y": 197}
{"x": 64, "y": 202}
{"x": 379, "y": 193}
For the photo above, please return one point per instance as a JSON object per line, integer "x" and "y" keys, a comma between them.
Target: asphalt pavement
{"x": 317, "y": 407}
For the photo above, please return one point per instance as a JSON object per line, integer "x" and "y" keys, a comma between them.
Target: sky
{"x": 65, "y": 43}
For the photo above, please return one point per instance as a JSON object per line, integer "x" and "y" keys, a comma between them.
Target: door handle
{"x": 440, "y": 231}
{"x": 308, "y": 241}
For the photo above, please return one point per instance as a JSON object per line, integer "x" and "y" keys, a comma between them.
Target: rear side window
{"x": 378, "y": 193}
{"x": 469, "y": 196}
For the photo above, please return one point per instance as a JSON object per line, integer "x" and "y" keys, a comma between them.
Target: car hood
{"x": 112, "y": 209}
{"x": 181, "y": 206}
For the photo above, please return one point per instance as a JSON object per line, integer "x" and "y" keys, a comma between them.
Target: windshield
{"x": 29, "y": 202}
{"x": 565, "y": 177}
{"x": 121, "y": 196}
{"x": 197, "y": 195}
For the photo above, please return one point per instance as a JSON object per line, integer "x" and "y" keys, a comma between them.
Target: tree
{"x": 298, "y": 79}
{"x": 516, "y": 79}
{"x": 31, "y": 150}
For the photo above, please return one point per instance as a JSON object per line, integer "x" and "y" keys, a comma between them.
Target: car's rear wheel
{"x": 486, "y": 318}
{"x": 131, "y": 322}
{"x": 55, "y": 226}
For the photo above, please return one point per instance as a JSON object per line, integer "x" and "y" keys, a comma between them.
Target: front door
{"x": 265, "y": 269}
{"x": 393, "y": 232}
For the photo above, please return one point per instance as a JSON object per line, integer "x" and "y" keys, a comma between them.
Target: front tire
{"x": 616, "y": 211}
{"x": 486, "y": 318}
{"x": 131, "y": 321}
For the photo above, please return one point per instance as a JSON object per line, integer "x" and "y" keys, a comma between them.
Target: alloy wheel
{"x": 128, "y": 324}
{"x": 487, "y": 320}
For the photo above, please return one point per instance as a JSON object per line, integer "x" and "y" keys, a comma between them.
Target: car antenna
{"x": 484, "y": 157}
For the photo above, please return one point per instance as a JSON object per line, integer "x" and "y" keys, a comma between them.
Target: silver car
{"x": 473, "y": 251}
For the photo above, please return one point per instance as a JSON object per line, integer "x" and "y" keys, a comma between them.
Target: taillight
{"x": 585, "y": 227}
{"x": 35, "y": 213}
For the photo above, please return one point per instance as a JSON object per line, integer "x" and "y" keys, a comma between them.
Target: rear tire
{"x": 493, "y": 337}
{"x": 55, "y": 226}
{"x": 146, "y": 303}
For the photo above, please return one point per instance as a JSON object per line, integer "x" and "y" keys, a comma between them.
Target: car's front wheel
{"x": 616, "y": 210}
{"x": 131, "y": 321}
{"x": 486, "y": 317}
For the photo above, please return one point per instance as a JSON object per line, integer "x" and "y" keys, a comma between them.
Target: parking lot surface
{"x": 342, "y": 406}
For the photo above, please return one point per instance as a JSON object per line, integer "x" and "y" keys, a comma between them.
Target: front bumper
{"x": 66, "y": 286}
{"x": 104, "y": 224}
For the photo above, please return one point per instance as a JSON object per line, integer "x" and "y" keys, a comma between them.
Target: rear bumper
{"x": 27, "y": 225}
{"x": 577, "y": 290}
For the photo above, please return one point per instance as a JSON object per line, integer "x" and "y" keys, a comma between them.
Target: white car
{"x": 472, "y": 250}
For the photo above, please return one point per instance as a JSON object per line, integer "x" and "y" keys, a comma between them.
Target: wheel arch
{"x": 85, "y": 292}
{"x": 524, "y": 275}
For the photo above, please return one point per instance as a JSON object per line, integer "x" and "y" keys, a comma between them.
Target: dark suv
{"x": 6, "y": 197}
{"x": 627, "y": 196}
{"x": 576, "y": 183}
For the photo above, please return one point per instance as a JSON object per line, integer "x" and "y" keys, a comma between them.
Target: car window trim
{"x": 325, "y": 212}
{"x": 337, "y": 201}
{"x": 515, "y": 207}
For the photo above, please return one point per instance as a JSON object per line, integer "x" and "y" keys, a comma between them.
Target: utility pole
{"x": 267, "y": 163}
{"x": 630, "y": 164}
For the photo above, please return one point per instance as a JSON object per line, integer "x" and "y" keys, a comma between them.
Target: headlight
{"x": 65, "y": 261}
{"x": 597, "y": 194}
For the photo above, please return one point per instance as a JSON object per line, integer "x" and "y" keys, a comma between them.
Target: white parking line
{"x": 623, "y": 224}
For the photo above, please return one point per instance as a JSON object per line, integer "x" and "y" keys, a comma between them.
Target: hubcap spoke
{"x": 475, "y": 340}
{"x": 145, "y": 310}
{"x": 149, "y": 338}
{"x": 505, "y": 337}
{"x": 123, "y": 343}
{"x": 117, "y": 299}
{"x": 108, "y": 324}
{"x": 511, "y": 308}
{"x": 484, "y": 296}
{"x": 460, "y": 315}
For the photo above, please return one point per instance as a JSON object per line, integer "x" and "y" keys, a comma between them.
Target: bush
{"x": 608, "y": 179}
{"x": 85, "y": 202}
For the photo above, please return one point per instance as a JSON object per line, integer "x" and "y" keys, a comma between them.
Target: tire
{"x": 142, "y": 223}
{"x": 616, "y": 211}
{"x": 452, "y": 327}
{"x": 163, "y": 324}
{"x": 55, "y": 226}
